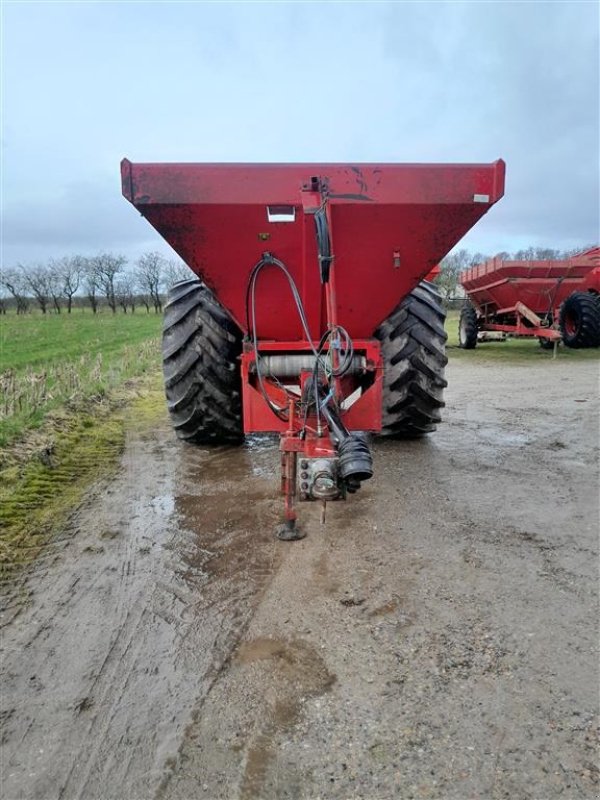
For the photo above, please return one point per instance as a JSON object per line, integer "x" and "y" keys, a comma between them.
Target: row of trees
{"x": 108, "y": 279}
{"x": 103, "y": 279}
{"x": 449, "y": 279}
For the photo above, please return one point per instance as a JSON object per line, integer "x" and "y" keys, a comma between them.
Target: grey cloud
{"x": 299, "y": 82}
{"x": 85, "y": 218}
{"x": 519, "y": 81}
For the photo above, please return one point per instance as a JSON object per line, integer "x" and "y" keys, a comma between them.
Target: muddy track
{"x": 436, "y": 638}
{"x": 132, "y": 617}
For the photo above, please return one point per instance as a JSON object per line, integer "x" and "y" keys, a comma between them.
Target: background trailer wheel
{"x": 579, "y": 320}
{"x": 413, "y": 347}
{"x": 467, "y": 327}
{"x": 201, "y": 348}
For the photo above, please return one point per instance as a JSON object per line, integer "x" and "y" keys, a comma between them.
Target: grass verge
{"x": 45, "y": 475}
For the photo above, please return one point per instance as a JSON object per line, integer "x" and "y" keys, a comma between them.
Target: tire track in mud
{"x": 128, "y": 626}
{"x": 294, "y": 672}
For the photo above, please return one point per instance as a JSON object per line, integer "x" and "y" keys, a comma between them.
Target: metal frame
{"x": 388, "y": 227}
{"x": 527, "y": 323}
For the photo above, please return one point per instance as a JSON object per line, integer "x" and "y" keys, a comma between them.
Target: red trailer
{"x": 553, "y": 300}
{"x": 311, "y": 316}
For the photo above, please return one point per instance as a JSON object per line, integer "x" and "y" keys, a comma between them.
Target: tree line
{"x": 448, "y": 280}
{"x": 105, "y": 279}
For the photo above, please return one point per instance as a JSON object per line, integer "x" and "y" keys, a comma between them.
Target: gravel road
{"x": 436, "y": 638}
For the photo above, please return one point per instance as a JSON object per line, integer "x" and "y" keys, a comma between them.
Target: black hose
{"x": 269, "y": 260}
{"x": 334, "y": 334}
{"x": 323, "y": 244}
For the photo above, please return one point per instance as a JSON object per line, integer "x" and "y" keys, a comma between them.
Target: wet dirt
{"x": 436, "y": 638}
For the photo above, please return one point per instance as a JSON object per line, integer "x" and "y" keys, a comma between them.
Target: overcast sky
{"x": 85, "y": 84}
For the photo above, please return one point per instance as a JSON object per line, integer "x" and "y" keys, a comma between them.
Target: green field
{"x": 37, "y": 340}
{"x": 52, "y": 359}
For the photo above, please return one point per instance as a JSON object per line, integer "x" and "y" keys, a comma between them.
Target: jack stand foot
{"x": 289, "y": 531}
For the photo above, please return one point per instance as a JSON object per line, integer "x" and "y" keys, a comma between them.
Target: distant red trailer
{"x": 552, "y": 300}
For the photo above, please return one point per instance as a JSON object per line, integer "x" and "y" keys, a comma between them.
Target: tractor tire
{"x": 467, "y": 327}
{"x": 579, "y": 320}
{"x": 413, "y": 347}
{"x": 201, "y": 345}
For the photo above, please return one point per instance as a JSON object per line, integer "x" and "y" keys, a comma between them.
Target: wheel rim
{"x": 571, "y": 323}
{"x": 462, "y": 330}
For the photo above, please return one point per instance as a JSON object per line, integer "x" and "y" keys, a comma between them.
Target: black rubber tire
{"x": 546, "y": 344}
{"x": 579, "y": 320}
{"x": 201, "y": 345}
{"x": 413, "y": 346}
{"x": 467, "y": 327}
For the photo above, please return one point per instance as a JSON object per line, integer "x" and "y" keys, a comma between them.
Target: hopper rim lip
{"x": 498, "y": 167}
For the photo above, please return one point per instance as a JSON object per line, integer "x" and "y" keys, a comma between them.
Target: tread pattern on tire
{"x": 586, "y": 308}
{"x": 467, "y": 327}
{"x": 413, "y": 345}
{"x": 201, "y": 346}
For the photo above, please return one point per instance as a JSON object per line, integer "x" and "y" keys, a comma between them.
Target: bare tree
{"x": 176, "y": 271}
{"x": 143, "y": 296}
{"x": 132, "y": 295}
{"x": 107, "y": 266}
{"x": 69, "y": 273}
{"x": 450, "y": 268}
{"x": 151, "y": 268}
{"x": 90, "y": 284}
{"x": 448, "y": 280}
{"x": 536, "y": 254}
{"x": 54, "y": 287}
{"x": 124, "y": 292}
{"x": 3, "y": 295}
{"x": 577, "y": 250}
{"x": 12, "y": 280}
{"x": 38, "y": 280}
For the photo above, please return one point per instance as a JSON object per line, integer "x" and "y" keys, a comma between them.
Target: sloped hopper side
{"x": 390, "y": 224}
{"x": 540, "y": 285}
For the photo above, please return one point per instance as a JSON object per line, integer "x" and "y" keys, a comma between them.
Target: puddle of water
{"x": 503, "y": 437}
{"x": 163, "y": 504}
{"x": 227, "y": 503}
{"x": 485, "y": 434}
{"x": 258, "y": 442}
{"x": 259, "y": 455}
